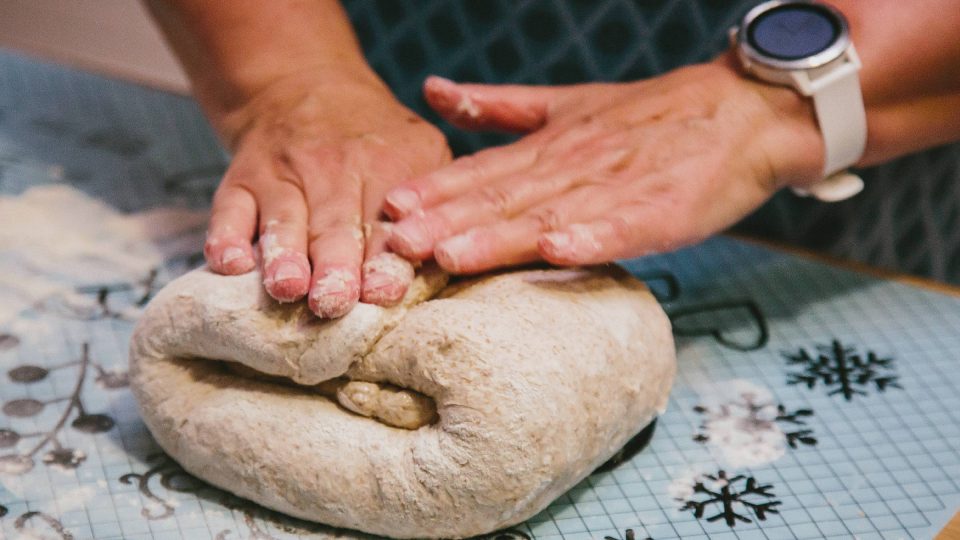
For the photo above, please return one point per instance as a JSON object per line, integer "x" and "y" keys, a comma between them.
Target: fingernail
{"x": 576, "y": 243}
{"x": 234, "y": 260}
{"x": 287, "y": 280}
{"x": 557, "y": 242}
{"x": 402, "y": 201}
{"x": 288, "y": 270}
{"x": 439, "y": 79}
{"x": 335, "y": 294}
{"x": 231, "y": 254}
{"x": 453, "y": 252}
{"x": 411, "y": 238}
{"x": 439, "y": 84}
{"x": 386, "y": 278}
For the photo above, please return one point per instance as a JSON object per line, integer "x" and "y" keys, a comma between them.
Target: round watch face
{"x": 794, "y": 34}
{"x": 794, "y": 31}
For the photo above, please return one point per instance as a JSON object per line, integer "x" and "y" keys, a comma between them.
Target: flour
{"x": 270, "y": 247}
{"x": 681, "y": 485}
{"x": 740, "y": 423}
{"x": 54, "y": 239}
{"x": 67, "y": 499}
{"x": 467, "y": 106}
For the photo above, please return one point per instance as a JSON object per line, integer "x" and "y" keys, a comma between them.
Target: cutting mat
{"x": 811, "y": 401}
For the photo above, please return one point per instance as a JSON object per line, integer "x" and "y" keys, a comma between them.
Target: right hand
{"x": 313, "y": 158}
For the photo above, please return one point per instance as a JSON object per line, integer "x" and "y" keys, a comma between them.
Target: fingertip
{"x": 229, "y": 258}
{"x": 411, "y": 239}
{"x": 438, "y": 83}
{"x": 401, "y": 202}
{"x": 287, "y": 278}
{"x": 386, "y": 278}
{"x": 455, "y": 104}
{"x": 437, "y": 91}
{"x": 457, "y": 254}
{"x": 334, "y": 294}
{"x": 555, "y": 248}
{"x": 447, "y": 261}
{"x": 571, "y": 246}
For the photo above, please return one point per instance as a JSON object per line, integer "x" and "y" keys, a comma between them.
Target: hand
{"x": 609, "y": 171}
{"x": 313, "y": 159}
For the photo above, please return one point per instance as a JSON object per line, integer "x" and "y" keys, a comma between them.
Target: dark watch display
{"x": 794, "y": 34}
{"x": 794, "y": 31}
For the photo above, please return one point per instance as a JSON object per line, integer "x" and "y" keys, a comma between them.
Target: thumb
{"x": 513, "y": 108}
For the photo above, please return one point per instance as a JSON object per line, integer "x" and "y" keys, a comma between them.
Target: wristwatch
{"x": 806, "y": 45}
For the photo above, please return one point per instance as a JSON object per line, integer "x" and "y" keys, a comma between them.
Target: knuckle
{"x": 280, "y": 224}
{"x": 547, "y": 219}
{"x": 473, "y": 164}
{"x": 437, "y": 145}
{"x": 334, "y": 227}
{"x": 495, "y": 199}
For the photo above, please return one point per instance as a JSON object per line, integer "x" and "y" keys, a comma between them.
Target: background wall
{"x": 115, "y": 37}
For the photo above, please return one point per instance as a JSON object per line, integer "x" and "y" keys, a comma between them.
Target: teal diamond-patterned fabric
{"x": 905, "y": 220}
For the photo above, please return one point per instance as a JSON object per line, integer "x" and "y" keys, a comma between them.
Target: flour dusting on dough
{"x": 55, "y": 239}
{"x": 333, "y": 294}
{"x": 389, "y": 265}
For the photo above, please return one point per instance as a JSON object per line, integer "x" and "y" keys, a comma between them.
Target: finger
{"x": 616, "y": 237}
{"x": 283, "y": 242}
{"x": 505, "y": 198}
{"x": 233, "y": 219}
{"x": 336, "y": 249}
{"x": 513, "y": 108}
{"x": 663, "y": 212}
{"x": 335, "y": 239}
{"x": 458, "y": 178}
{"x": 515, "y": 241}
{"x": 385, "y": 276}
{"x": 630, "y": 231}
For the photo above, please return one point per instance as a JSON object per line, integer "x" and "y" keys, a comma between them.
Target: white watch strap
{"x": 838, "y": 101}
{"x": 836, "y": 187}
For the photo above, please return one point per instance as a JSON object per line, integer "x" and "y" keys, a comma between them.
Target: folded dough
{"x": 461, "y": 411}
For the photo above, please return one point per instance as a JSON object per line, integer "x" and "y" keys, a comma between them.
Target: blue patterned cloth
{"x": 905, "y": 220}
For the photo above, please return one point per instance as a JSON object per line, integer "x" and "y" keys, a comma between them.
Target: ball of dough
{"x": 463, "y": 410}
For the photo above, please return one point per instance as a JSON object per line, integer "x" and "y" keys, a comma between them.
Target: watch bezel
{"x": 822, "y": 58}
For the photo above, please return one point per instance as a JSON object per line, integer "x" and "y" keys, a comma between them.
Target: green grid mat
{"x": 875, "y": 448}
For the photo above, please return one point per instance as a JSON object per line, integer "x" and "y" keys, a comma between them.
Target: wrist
{"x": 787, "y": 130}
{"x": 264, "y": 95}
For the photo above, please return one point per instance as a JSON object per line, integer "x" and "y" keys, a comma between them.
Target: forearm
{"x": 911, "y": 73}
{"x": 234, "y": 49}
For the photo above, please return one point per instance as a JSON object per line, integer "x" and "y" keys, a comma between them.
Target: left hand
{"x": 313, "y": 157}
{"x": 609, "y": 171}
